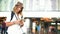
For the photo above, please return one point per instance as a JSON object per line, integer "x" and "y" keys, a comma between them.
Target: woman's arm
{"x": 14, "y": 22}
{"x": 9, "y": 24}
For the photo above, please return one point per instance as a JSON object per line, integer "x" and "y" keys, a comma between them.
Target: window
{"x": 41, "y": 5}
{"x": 7, "y": 5}
{"x": 31, "y": 5}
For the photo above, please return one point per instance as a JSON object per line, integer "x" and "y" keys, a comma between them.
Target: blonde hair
{"x": 14, "y": 9}
{"x": 18, "y": 4}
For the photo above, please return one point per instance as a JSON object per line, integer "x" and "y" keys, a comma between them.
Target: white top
{"x": 15, "y": 29}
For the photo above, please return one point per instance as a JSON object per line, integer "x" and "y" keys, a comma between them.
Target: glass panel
{"x": 58, "y": 4}
{"x": 7, "y": 5}
{"x": 33, "y": 5}
{"x": 41, "y": 5}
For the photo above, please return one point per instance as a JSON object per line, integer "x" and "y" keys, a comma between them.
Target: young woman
{"x": 15, "y": 24}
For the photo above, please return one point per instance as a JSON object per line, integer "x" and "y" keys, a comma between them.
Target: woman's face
{"x": 18, "y": 8}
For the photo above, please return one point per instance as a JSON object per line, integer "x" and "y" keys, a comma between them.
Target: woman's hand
{"x": 16, "y": 22}
{"x": 21, "y": 23}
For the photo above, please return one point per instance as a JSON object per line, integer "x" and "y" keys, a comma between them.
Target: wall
{"x": 35, "y": 14}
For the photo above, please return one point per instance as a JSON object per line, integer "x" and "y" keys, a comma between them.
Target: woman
{"x": 15, "y": 24}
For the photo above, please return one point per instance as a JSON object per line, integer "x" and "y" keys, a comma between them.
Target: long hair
{"x": 21, "y": 10}
{"x": 18, "y": 4}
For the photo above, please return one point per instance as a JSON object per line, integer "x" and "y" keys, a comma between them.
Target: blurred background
{"x": 31, "y": 5}
{"x": 44, "y": 25}
{"x": 45, "y": 14}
